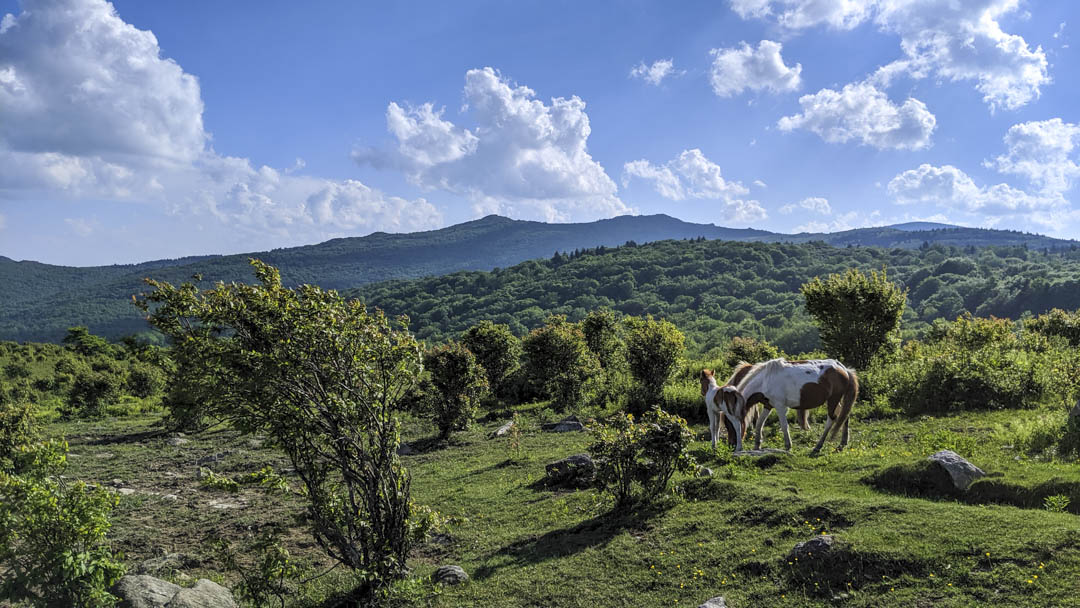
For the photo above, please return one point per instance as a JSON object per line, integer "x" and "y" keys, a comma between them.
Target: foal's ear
{"x": 706, "y": 373}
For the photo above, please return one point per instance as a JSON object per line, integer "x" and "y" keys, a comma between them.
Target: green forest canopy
{"x": 714, "y": 290}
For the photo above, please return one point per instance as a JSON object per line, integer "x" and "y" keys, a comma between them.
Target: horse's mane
{"x": 737, "y": 374}
{"x": 765, "y": 367}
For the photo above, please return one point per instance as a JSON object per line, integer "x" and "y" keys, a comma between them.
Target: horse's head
{"x": 707, "y": 380}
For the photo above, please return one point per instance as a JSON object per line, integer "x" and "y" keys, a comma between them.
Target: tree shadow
{"x": 594, "y": 532}
{"x": 122, "y": 438}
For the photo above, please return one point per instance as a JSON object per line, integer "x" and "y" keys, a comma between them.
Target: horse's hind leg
{"x": 844, "y": 436}
{"x": 760, "y": 425}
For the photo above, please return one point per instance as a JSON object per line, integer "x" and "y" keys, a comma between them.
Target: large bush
{"x": 497, "y": 350}
{"x": 459, "y": 384}
{"x": 974, "y": 363}
{"x": 636, "y": 460}
{"x": 857, "y": 314}
{"x": 604, "y": 335}
{"x": 324, "y": 378}
{"x": 1057, "y": 322}
{"x": 750, "y": 350}
{"x": 558, "y": 358}
{"x": 653, "y": 349}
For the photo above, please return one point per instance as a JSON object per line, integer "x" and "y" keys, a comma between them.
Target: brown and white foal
{"x": 726, "y": 406}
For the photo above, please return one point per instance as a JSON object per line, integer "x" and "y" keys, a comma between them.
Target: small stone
{"x": 225, "y": 504}
{"x": 170, "y": 497}
{"x": 705, "y": 472}
{"x": 815, "y": 547}
{"x": 116, "y": 482}
{"x": 502, "y": 430}
{"x": 575, "y": 471}
{"x": 449, "y": 575}
{"x": 714, "y": 602}
{"x": 405, "y": 450}
{"x": 104, "y": 455}
{"x": 213, "y": 458}
{"x": 566, "y": 425}
{"x": 176, "y": 441}
{"x": 126, "y": 491}
{"x": 205, "y": 594}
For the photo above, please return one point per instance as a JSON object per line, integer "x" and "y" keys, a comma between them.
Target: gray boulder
{"x": 405, "y": 450}
{"x": 714, "y": 602}
{"x": 205, "y": 594}
{"x": 819, "y": 546}
{"x": 143, "y": 591}
{"x": 566, "y": 425}
{"x": 961, "y": 472}
{"x": 449, "y": 575}
{"x": 503, "y": 430}
{"x": 576, "y": 471}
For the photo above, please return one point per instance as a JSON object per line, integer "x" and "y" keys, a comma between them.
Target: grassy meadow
{"x": 525, "y": 545}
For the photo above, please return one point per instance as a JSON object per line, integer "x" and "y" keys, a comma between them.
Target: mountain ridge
{"x": 41, "y": 300}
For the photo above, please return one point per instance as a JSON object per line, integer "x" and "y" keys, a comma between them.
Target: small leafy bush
{"x": 558, "y": 357}
{"x": 52, "y": 533}
{"x": 749, "y": 349}
{"x": 212, "y": 481}
{"x": 1058, "y": 503}
{"x": 270, "y": 578}
{"x": 460, "y": 385}
{"x": 636, "y": 460}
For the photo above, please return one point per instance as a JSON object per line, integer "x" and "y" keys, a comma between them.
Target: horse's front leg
{"x": 781, "y": 411}
{"x": 714, "y": 429}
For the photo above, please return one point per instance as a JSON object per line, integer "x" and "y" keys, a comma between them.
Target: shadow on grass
{"x": 122, "y": 438}
{"x": 557, "y": 544}
{"x": 922, "y": 480}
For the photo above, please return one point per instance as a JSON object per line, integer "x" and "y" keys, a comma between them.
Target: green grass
{"x": 524, "y": 545}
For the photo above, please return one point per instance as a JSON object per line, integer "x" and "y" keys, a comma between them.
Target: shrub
{"x": 653, "y": 349}
{"x": 459, "y": 384}
{"x": 497, "y": 350}
{"x": 750, "y": 350}
{"x": 856, "y": 314}
{"x": 325, "y": 379}
{"x": 271, "y": 577}
{"x": 91, "y": 391}
{"x": 52, "y": 534}
{"x": 16, "y": 430}
{"x": 145, "y": 380}
{"x": 1069, "y": 444}
{"x": 558, "y": 357}
{"x": 604, "y": 336}
{"x": 1057, "y": 322}
{"x": 635, "y": 461}
{"x": 1058, "y": 503}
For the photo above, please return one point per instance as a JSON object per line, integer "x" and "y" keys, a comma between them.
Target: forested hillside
{"x": 714, "y": 290}
{"x": 40, "y": 301}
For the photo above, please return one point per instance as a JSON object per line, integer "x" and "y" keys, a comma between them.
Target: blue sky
{"x": 140, "y": 130}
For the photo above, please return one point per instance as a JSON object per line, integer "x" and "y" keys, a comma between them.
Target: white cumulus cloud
{"x": 862, "y": 113}
{"x": 959, "y": 40}
{"x": 742, "y": 68}
{"x": 692, "y": 175}
{"x": 89, "y": 108}
{"x": 947, "y": 186}
{"x": 655, "y": 73}
{"x": 816, "y": 204}
{"x": 1044, "y": 152}
{"x": 522, "y": 156}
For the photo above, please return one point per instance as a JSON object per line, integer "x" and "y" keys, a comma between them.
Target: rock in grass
{"x": 576, "y": 471}
{"x": 176, "y": 441}
{"x": 566, "y": 425}
{"x": 704, "y": 472}
{"x": 819, "y": 546}
{"x": 503, "y": 430}
{"x": 205, "y": 594}
{"x": 450, "y": 575}
{"x": 405, "y": 450}
{"x": 961, "y": 472}
{"x": 143, "y": 591}
{"x": 714, "y": 602}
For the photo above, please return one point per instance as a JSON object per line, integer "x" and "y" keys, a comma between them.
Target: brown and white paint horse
{"x": 801, "y": 385}
{"x": 727, "y": 405}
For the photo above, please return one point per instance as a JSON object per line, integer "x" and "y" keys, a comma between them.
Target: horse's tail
{"x": 850, "y": 395}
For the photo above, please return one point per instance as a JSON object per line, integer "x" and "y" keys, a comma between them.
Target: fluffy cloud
{"x": 1043, "y": 152}
{"x": 947, "y": 186}
{"x": 737, "y": 69}
{"x": 958, "y": 40}
{"x": 90, "y": 109}
{"x": 816, "y": 204}
{"x": 692, "y": 175}
{"x": 865, "y": 114}
{"x": 523, "y": 156}
{"x": 654, "y": 74}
